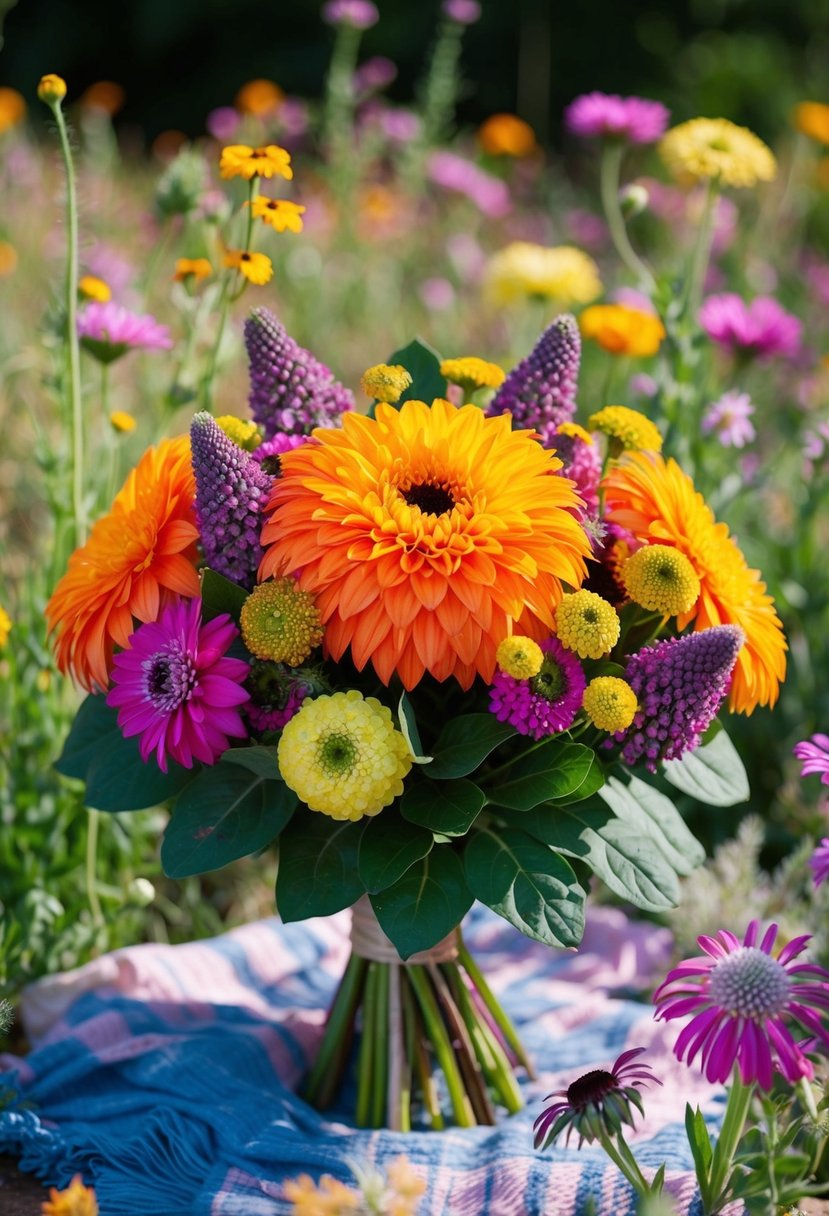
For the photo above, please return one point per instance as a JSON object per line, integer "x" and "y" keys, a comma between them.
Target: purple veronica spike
{"x": 231, "y": 490}
{"x": 290, "y": 390}
{"x": 540, "y": 391}
{"x": 679, "y": 684}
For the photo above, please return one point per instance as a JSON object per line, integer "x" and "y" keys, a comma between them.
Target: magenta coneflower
{"x": 548, "y": 702}
{"x": 598, "y": 1101}
{"x": 762, "y": 328}
{"x": 606, "y": 115}
{"x": 740, "y": 994}
{"x": 814, "y": 753}
{"x": 174, "y": 687}
{"x": 819, "y": 861}
{"x": 109, "y": 330}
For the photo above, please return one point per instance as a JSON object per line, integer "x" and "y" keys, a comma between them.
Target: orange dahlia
{"x": 137, "y": 558}
{"x": 656, "y": 501}
{"x": 424, "y": 534}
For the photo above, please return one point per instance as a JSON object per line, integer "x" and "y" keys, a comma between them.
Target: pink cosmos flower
{"x": 814, "y": 753}
{"x": 597, "y": 115}
{"x": 762, "y": 328}
{"x": 109, "y": 330}
{"x": 174, "y": 687}
{"x": 819, "y": 861}
{"x": 730, "y": 419}
{"x": 742, "y": 999}
{"x": 489, "y": 194}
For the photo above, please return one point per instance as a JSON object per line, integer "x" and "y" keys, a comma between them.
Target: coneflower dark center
{"x": 430, "y": 498}
{"x": 591, "y": 1088}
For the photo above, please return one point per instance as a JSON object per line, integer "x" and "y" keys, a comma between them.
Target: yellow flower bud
{"x": 52, "y": 89}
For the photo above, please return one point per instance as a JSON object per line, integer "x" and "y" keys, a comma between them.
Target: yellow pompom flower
{"x": 472, "y": 373}
{"x": 812, "y": 119}
{"x": 240, "y": 160}
{"x": 122, "y": 422}
{"x": 631, "y": 430}
{"x": 714, "y": 148}
{"x": 281, "y": 622}
{"x": 574, "y": 431}
{"x": 562, "y": 274}
{"x": 52, "y": 89}
{"x": 343, "y": 756}
{"x": 622, "y": 330}
{"x": 519, "y": 657}
{"x": 192, "y": 268}
{"x": 587, "y": 624}
{"x": 74, "y": 1200}
{"x": 5, "y": 626}
{"x": 256, "y": 267}
{"x": 385, "y": 382}
{"x": 244, "y": 434}
{"x": 90, "y": 287}
{"x": 278, "y": 213}
{"x": 610, "y": 703}
{"x": 662, "y": 579}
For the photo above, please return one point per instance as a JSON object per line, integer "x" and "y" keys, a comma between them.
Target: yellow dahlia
{"x": 656, "y": 501}
{"x": 385, "y": 382}
{"x": 622, "y": 330}
{"x": 662, "y": 579}
{"x": 519, "y": 657}
{"x": 244, "y": 433}
{"x": 472, "y": 373}
{"x": 424, "y": 534}
{"x": 563, "y": 274}
{"x": 240, "y": 160}
{"x": 280, "y": 622}
{"x": 628, "y": 427}
{"x": 610, "y": 703}
{"x": 716, "y": 148}
{"x": 587, "y": 624}
{"x": 343, "y": 755}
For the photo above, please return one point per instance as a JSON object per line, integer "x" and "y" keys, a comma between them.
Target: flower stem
{"x": 733, "y": 1127}
{"x": 92, "y": 823}
{"x": 609, "y": 184}
{"x": 622, "y": 1157}
{"x": 702, "y": 252}
{"x": 439, "y": 1039}
{"x": 493, "y": 1007}
{"x": 363, "y": 1111}
{"x": 324, "y": 1077}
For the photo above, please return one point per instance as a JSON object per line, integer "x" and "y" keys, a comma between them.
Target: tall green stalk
{"x": 609, "y": 183}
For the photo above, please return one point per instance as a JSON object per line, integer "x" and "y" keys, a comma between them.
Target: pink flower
{"x": 597, "y": 115}
{"x": 174, "y": 687}
{"x": 762, "y": 328}
{"x": 546, "y": 704}
{"x": 742, "y": 998}
{"x": 359, "y": 14}
{"x": 437, "y": 294}
{"x": 819, "y": 861}
{"x": 489, "y": 194}
{"x": 730, "y": 418}
{"x": 109, "y": 330}
{"x": 464, "y": 12}
{"x": 223, "y": 123}
{"x": 814, "y": 753}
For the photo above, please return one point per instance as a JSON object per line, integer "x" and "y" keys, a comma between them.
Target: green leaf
{"x": 116, "y": 777}
{"x": 219, "y": 594}
{"x": 225, "y": 814}
{"x": 428, "y": 902}
{"x": 388, "y": 847}
{"x": 318, "y": 866}
{"x": 465, "y": 742}
{"x": 447, "y": 807}
{"x": 422, "y": 363}
{"x": 258, "y": 759}
{"x": 653, "y": 815}
{"x": 629, "y": 864}
{"x": 528, "y": 884}
{"x": 699, "y": 1141}
{"x": 553, "y": 770}
{"x": 593, "y": 782}
{"x": 408, "y": 728}
{"x": 712, "y": 773}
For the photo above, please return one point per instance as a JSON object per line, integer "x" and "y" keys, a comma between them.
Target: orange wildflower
{"x": 812, "y": 118}
{"x": 424, "y": 534}
{"x": 137, "y": 558}
{"x": 656, "y": 501}
{"x": 105, "y": 96}
{"x": 197, "y": 268}
{"x": 74, "y": 1200}
{"x": 622, "y": 330}
{"x": 259, "y": 98}
{"x": 12, "y": 109}
{"x": 506, "y": 135}
{"x": 8, "y": 259}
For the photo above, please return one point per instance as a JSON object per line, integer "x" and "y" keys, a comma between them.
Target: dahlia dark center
{"x": 431, "y": 499}
{"x": 550, "y": 683}
{"x": 591, "y": 1088}
{"x": 750, "y": 983}
{"x": 337, "y": 754}
{"x": 169, "y": 678}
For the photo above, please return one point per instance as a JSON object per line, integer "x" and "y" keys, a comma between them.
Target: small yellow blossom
{"x": 121, "y": 421}
{"x": 280, "y": 622}
{"x": 8, "y": 259}
{"x": 506, "y": 135}
{"x": 714, "y": 148}
{"x": 279, "y": 213}
{"x": 385, "y": 382}
{"x": 812, "y": 119}
{"x": 472, "y": 373}
{"x": 405, "y": 1185}
{"x": 192, "y": 268}
{"x": 631, "y": 430}
{"x": 52, "y": 89}
{"x": 330, "y": 1198}
{"x": 256, "y": 267}
{"x": 75, "y": 1200}
{"x": 240, "y": 160}
{"x": 259, "y": 98}
{"x": 93, "y": 288}
{"x": 12, "y": 109}
{"x": 574, "y": 431}
{"x": 43, "y": 680}
{"x": 610, "y": 703}
{"x": 587, "y": 624}
{"x": 562, "y": 274}
{"x": 243, "y": 432}
{"x": 5, "y": 626}
{"x": 661, "y": 579}
{"x": 519, "y": 657}
{"x": 622, "y": 330}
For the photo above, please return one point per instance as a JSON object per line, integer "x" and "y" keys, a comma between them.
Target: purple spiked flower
{"x": 680, "y": 684}
{"x": 540, "y": 391}
{"x": 231, "y": 491}
{"x": 290, "y": 390}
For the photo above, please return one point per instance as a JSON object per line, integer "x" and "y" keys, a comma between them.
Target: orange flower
{"x": 622, "y": 330}
{"x": 12, "y": 109}
{"x": 136, "y": 559}
{"x": 812, "y": 118}
{"x": 75, "y": 1200}
{"x": 424, "y": 534}
{"x": 259, "y": 98}
{"x": 105, "y": 96}
{"x": 656, "y": 501}
{"x": 197, "y": 268}
{"x": 506, "y": 135}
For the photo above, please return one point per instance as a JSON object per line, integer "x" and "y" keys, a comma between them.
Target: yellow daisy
{"x": 240, "y": 160}
{"x": 279, "y": 213}
{"x": 256, "y": 267}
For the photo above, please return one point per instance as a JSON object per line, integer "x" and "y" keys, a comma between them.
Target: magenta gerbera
{"x": 174, "y": 687}
{"x": 109, "y": 330}
{"x": 598, "y": 1101}
{"x": 743, "y": 999}
{"x": 545, "y": 704}
{"x": 814, "y": 753}
{"x": 819, "y": 861}
{"x": 606, "y": 115}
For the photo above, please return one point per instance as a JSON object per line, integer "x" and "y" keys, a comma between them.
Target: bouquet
{"x": 433, "y": 652}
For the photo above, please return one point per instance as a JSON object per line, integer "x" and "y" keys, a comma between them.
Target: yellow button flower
{"x": 631, "y": 430}
{"x": 587, "y": 624}
{"x": 243, "y": 433}
{"x": 622, "y": 330}
{"x": 472, "y": 373}
{"x": 714, "y": 148}
{"x": 662, "y": 579}
{"x": 280, "y": 622}
{"x": 279, "y": 213}
{"x": 240, "y": 160}
{"x": 610, "y": 703}
{"x": 52, "y": 89}
{"x": 122, "y": 422}
{"x": 385, "y": 382}
{"x": 519, "y": 657}
{"x": 256, "y": 267}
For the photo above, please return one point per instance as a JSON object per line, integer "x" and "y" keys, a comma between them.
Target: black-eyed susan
{"x": 192, "y": 269}
{"x": 610, "y": 703}
{"x": 630, "y": 429}
{"x": 715, "y": 149}
{"x": 278, "y": 213}
{"x": 586, "y": 624}
{"x": 385, "y": 382}
{"x": 281, "y": 622}
{"x": 240, "y": 160}
{"x": 256, "y": 267}
{"x": 661, "y": 579}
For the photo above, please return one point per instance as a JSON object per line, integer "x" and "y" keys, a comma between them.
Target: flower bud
{"x": 633, "y": 199}
{"x": 52, "y": 89}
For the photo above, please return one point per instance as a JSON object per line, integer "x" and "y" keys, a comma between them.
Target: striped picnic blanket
{"x": 165, "y": 1075}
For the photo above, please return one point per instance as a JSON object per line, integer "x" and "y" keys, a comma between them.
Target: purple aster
{"x": 108, "y": 331}
{"x": 290, "y": 390}
{"x": 680, "y": 684}
{"x": 464, "y": 12}
{"x": 599, "y": 1099}
{"x": 762, "y": 328}
{"x": 742, "y": 998}
{"x": 359, "y": 14}
{"x": 547, "y": 703}
{"x": 606, "y": 115}
{"x": 730, "y": 419}
{"x": 452, "y": 172}
{"x": 540, "y": 391}
{"x": 174, "y": 687}
{"x": 819, "y": 861}
{"x": 814, "y": 753}
{"x": 582, "y": 464}
{"x": 232, "y": 488}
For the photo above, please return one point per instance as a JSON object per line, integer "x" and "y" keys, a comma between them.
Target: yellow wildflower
{"x": 562, "y": 273}
{"x": 240, "y": 160}
{"x": 93, "y": 288}
{"x": 506, "y": 135}
{"x": 405, "y": 1185}
{"x": 121, "y": 421}
{"x": 812, "y": 119}
{"x": 622, "y": 330}
{"x": 5, "y": 626}
{"x": 195, "y": 268}
{"x": 52, "y": 89}
{"x": 75, "y": 1200}
{"x": 8, "y": 259}
{"x": 631, "y": 430}
{"x": 610, "y": 703}
{"x": 716, "y": 148}
{"x": 244, "y": 433}
{"x": 472, "y": 373}
{"x": 587, "y": 624}
{"x": 519, "y": 657}
{"x": 256, "y": 267}
{"x": 661, "y": 579}
{"x": 385, "y": 382}
{"x": 279, "y": 213}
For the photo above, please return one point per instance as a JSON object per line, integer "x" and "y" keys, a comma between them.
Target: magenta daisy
{"x": 762, "y": 328}
{"x": 742, "y": 998}
{"x": 606, "y": 115}
{"x": 545, "y": 704}
{"x": 814, "y": 753}
{"x": 597, "y": 1102}
{"x": 819, "y": 861}
{"x": 109, "y": 330}
{"x": 174, "y": 687}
